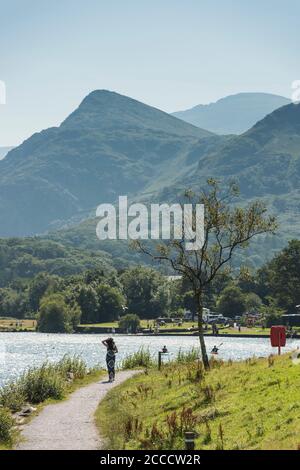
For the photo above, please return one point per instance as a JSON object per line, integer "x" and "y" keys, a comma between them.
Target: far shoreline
{"x": 188, "y": 334}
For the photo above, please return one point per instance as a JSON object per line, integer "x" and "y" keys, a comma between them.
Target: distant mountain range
{"x": 234, "y": 114}
{"x": 113, "y": 145}
{"x": 4, "y": 151}
{"x": 110, "y": 145}
{"x": 265, "y": 162}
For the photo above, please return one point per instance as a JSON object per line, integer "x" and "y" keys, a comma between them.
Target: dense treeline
{"x": 24, "y": 258}
{"x": 60, "y": 302}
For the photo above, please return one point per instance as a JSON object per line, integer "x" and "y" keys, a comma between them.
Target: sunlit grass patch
{"x": 240, "y": 405}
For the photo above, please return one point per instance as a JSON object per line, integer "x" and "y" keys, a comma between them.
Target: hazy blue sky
{"x": 168, "y": 53}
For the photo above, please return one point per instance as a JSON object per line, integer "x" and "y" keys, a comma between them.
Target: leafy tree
{"x": 189, "y": 302}
{"x": 147, "y": 292}
{"x": 253, "y": 302}
{"x": 129, "y": 322}
{"x": 280, "y": 278}
{"x": 232, "y": 302}
{"x": 88, "y": 301}
{"x": 38, "y": 287}
{"x": 226, "y": 228}
{"x": 176, "y": 292}
{"x": 56, "y": 316}
{"x": 13, "y": 303}
{"x": 272, "y": 313}
{"x": 111, "y": 303}
{"x": 161, "y": 302}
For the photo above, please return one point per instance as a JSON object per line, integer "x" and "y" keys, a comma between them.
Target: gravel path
{"x": 70, "y": 425}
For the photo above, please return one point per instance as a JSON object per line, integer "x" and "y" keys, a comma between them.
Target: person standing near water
{"x": 110, "y": 357}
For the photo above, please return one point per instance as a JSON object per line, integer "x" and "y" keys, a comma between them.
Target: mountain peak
{"x": 102, "y": 96}
{"x": 105, "y": 110}
{"x": 109, "y": 145}
{"x": 233, "y": 114}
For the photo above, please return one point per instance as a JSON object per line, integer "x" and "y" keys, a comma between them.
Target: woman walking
{"x": 110, "y": 357}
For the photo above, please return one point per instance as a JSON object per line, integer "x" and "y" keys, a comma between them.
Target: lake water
{"x": 18, "y": 351}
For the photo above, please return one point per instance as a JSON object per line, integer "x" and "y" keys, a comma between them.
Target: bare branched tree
{"x": 226, "y": 228}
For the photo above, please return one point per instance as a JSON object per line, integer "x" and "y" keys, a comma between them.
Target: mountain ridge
{"x": 110, "y": 144}
{"x": 4, "y": 151}
{"x": 245, "y": 109}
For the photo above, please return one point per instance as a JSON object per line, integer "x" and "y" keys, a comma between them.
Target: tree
{"x": 129, "y": 322}
{"x": 13, "y": 303}
{"x": 280, "y": 278}
{"x": 253, "y": 302}
{"x": 147, "y": 292}
{"x": 232, "y": 302}
{"x": 88, "y": 301}
{"x": 38, "y": 287}
{"x": 226, "y": 228}
{"x": 56, "y": 316}
{"x": 189, "y": 303}
{"x": 272, "y": 313}
{"x": 111, "y": 303}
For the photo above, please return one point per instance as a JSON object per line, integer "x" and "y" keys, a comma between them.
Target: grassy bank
{"x": 247, "y": 405}
{"x": 40, "y": 386}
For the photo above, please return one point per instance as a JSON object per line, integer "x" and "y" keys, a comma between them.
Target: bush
{"x": 141, "y": 358}
{"x": 56, "y": 316}
{"x": 6, "y": 426}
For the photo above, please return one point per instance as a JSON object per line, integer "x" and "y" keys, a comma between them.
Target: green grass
{"x": 101, "y": 325}
{"x": 245, "y": 331}
{"x": 248, "y": 405}
{"x": 144, "y": 324}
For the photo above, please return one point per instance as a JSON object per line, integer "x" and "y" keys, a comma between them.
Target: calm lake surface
{"x": 19, "y": 351}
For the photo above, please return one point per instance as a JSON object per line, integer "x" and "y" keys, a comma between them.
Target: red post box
{"x": 278, "y": 337}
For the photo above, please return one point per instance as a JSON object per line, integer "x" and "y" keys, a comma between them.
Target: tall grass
{"x": 39, "y": 384}
{"x": 12, "y": 396}
{"x": 6, "y": 426}
{"x": 35, "y": 386}
{"x": 184, "y": 357}
{"x": 141, "y": 358}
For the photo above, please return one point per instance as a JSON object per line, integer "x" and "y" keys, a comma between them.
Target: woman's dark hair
{"x": 110, "y": 343}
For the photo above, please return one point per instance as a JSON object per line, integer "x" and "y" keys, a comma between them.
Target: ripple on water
{"x": 19, "y": 351}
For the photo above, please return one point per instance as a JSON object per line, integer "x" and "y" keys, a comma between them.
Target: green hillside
{"x": 110, "y": 145}
{"x": 113, "y": 145}
{"x": 265, "y": 162}
{"x": 24, "y": 258}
